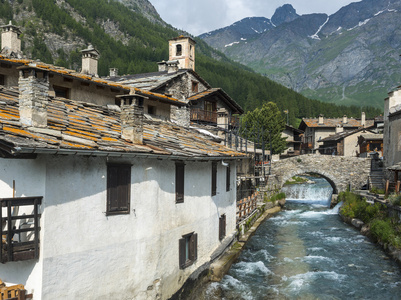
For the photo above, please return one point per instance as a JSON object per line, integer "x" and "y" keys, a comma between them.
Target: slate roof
{"x": 339, "y": 136}
{"x": 226, "y": 98}
{"x": 88, "y": 78}
{"x": 152, "y": 81}
{"x": 86, "y": 128}
{"x": 314, "y": 122}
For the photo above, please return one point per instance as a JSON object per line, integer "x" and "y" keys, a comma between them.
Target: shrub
{"x": 395, "y": 199}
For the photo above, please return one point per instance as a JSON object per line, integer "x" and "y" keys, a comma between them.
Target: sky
{"x": 200, "y": 16}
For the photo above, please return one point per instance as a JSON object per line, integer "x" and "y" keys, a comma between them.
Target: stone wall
{"x": 338, "y": 170}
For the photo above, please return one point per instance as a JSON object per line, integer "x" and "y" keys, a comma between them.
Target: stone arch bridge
{"x": 339, "y": 171}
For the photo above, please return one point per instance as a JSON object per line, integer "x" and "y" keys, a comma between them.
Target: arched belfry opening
{"x": 178, "y": 50}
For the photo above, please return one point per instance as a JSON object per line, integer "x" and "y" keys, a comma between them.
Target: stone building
{"x": 100, "y": 197}
{"x": 317, "y": 129}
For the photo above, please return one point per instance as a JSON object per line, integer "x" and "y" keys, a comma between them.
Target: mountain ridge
{"x": 348, "y": 57}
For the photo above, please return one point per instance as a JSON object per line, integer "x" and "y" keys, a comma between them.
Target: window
{"x": 179, "y": 182}
{"x": 151, "y": 110}
{"x": 188, "y": 250}
{"x": 194, "y": 86}
{"x": 61, "y": 92}
{"x": 228, "y": 179}
{"x": 214, "y": 178}
{"x": 2, "y": 79}
{"x": 118, "y": 189}
{"x": 222, "y": 227}
{"x": 178, "y": 50}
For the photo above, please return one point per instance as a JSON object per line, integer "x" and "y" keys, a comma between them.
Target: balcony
{"x": 203, "y": 116}
{"x": 19, "y": 228}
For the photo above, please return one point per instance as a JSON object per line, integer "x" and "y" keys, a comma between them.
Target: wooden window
{"x": 179, "y": 182}
{"x": 214, "y": 178}
{"x": 178, "y": 49}
{"x": 188, "y": 250}
{"x": 195, "y": 87}
{"x": 222, "y": 227}
{"x": 228, "y": 178}
{"x": 118, "y": 189}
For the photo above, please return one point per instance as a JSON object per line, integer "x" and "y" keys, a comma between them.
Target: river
{"x": 307, "y": 252}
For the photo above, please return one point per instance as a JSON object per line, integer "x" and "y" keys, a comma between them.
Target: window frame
{"x": 214, "y": 178}
{"x": 179, "y": 181}
{"x": 119, "y": 187}
{"x": 178, "y": 50}
{"x": 188, "y": 249}
{"x": 228, "y": 178}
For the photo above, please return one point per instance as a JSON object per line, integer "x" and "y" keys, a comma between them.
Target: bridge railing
{"x": 246, "y": 206}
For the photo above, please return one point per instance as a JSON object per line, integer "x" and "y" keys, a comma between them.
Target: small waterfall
{"x": 319, "y": 192}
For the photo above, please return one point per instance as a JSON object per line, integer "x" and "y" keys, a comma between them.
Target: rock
{"x": 357, "y": 223}
{"x": 281, "y": 202}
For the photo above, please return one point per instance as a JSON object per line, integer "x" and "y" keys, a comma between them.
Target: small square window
{"x": 151, "y": 110}
{"x": 195, "y": 86}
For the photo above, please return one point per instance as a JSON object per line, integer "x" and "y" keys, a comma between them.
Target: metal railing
{"x": 13, "y": 246}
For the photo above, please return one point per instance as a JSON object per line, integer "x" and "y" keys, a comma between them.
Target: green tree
{"x": 265, "y": 125}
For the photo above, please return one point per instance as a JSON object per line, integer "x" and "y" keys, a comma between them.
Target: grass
{"x": 296, "y": 180}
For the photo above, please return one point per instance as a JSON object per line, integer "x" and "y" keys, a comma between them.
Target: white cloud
{"x": 199, "y": 16}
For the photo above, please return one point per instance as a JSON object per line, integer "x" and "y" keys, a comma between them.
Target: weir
{"x": 316, "y": 191}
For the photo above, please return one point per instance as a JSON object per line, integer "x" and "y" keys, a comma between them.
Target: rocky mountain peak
{"x": 284, "y": 14}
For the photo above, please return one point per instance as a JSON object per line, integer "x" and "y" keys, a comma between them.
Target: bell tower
{"x": 182, "y": 49}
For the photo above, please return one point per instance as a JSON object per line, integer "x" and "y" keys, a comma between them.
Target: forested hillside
{"x": 56, "y": 31}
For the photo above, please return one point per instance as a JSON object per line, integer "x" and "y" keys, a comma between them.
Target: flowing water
{"x": 307, "y": 252}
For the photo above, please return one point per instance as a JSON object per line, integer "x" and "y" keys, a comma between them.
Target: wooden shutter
{"x": 182, "y": 248}
{"x": 179, "y": 182}
{"x": 222, "y": 227}
{"x": 193, "y": 249}
{"x": 118, "y": 188}
{"x": 214, "y": 178}
{"x": 112, "y": 188}
{"x": 228, "y": 179}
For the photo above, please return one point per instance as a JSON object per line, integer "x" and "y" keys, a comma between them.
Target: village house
{"x": 99, "y": 200}
{"x": 294, "y": 140}
{"x": 317, "y": 129}
{"x": 392, "y": 136}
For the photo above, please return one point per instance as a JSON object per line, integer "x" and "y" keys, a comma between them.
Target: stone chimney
{"x": 321, "y": 121}
{"x": 339, "y": 128}
{"x": 162, "y": 66}
{"x": 363, "y": 119}
{"x": 172, "y": 66}
{"x": 113, "y": 72}
{"x": 33, "y": 87}
{"x": 182, "y": 49}
{"x": 222, "y": 118}
{"x": 132, "y": 118}
{"x": 345, "y": 119}
{"x": 90, "y": 59}
{"x": 10, "y": 38}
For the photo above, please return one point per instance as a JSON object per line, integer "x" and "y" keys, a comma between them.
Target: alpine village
{"x": 140, "y": 162}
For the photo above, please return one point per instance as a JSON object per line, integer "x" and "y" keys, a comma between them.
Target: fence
{"x": 246, "y": 206}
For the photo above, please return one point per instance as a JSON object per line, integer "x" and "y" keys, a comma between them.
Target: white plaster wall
{"x": 87, "y": 254}
{"x": 29, "y": 177}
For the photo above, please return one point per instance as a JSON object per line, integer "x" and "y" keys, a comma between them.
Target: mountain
{"x": 131, "y": 36}
{"x": 350, "y": 57}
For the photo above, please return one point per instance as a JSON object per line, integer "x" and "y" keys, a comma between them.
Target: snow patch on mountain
{"x": 316, "y": 36}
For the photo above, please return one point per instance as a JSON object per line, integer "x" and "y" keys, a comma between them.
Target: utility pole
{"x": 271, "y": 153}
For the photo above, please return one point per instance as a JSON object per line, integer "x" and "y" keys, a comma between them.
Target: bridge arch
{"x": 339, "y": 171}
